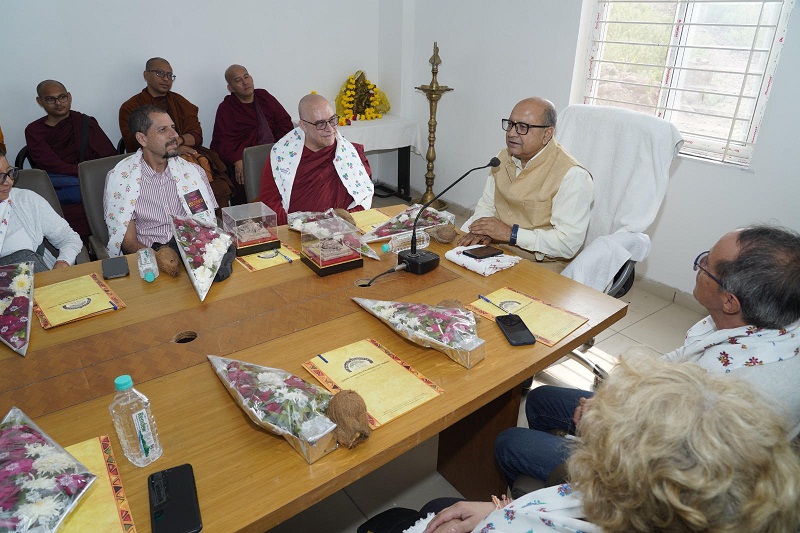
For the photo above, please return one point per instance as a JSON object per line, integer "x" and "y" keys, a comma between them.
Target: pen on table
{"x": 320, "y": 356}
{"x": 113, "y": 305}
{"x": 284, "y": 255}
{"x": 485, "y": 299}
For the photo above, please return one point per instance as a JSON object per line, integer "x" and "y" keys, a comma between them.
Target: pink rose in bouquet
{"x": 450, "y": 330}
{"x": 16, "y": 305}
{"x": 40, "y": 483}
{"x": 202, "y": 248}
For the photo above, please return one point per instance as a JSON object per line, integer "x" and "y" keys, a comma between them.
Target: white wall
{"x": 493, "y": 54}
{"x": 99, "y": 52}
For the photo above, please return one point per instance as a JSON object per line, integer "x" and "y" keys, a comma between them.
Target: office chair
{"x": 39, "y": 182}
{"x": 92, "y": 179}
{"x": 628, "y": 155}
{"x": 253, "y": 159}
{"x": 23, "y": 155}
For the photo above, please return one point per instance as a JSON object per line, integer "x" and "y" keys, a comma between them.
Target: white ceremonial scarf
{"x": 285, "y": 159}
{"x": 721, "y": 351}
{"x": 123, "y": 185}
{"x": 5, "y": 219}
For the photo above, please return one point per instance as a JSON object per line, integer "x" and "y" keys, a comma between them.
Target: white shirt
{"x": 572, "y": 206}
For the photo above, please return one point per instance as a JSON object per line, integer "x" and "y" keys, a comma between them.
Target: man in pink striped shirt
{"x": 151, "y": 185}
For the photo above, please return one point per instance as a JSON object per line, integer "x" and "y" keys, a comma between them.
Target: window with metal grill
{"x": 705, "y": 65}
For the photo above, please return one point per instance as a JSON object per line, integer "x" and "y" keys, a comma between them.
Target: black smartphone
{"x": 173, "y": 501}
{"x": 515, "y": 330}
{"x": 482, "y": 252}
{"x": 115, "y": 267}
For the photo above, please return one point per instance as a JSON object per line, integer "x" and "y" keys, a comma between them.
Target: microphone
{"x": 424, "y": 261}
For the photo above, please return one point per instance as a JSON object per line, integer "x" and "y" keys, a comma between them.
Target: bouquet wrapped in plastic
{"x": 202, "y": 247}
{"x": 328, "y": 221}
{"x": 282, "y": 403}
{"x": 448, "y": 329}
{"x": 404, "y": 223}
{"x": 16, "y": 305}
{"x": 40, "y": 483}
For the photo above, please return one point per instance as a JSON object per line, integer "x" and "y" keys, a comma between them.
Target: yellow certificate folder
{"x": 104, "y": 507}
{"x": 269, "y": 258}
{"x": 547, "y": 322}
{"x": 390, "y": 386}
{"x": 367, "y": 220}
{"x": 73, "y": 300}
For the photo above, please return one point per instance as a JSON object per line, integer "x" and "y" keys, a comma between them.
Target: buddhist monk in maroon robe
{"x": 55, "y": 145}
{"x": 158, "y": 92}
{"x": 246, "y": 117}
{"x": 317, "y": 184}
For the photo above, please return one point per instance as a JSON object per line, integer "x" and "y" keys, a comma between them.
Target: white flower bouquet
{"x": 328, "y": 222}
{"x": 40, "y": 483}
{"x": 404, "y": 223}
{"x": 202, "y": 248}
{"x": 16, "y": 305}
{"x": 448, "y": 329}
{"x": 282, "y": 403}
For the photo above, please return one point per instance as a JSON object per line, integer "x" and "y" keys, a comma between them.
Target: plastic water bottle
{"x": 401, "y": 242}
{"x": 134, "y": 423}
{"x": 148, "y": 268}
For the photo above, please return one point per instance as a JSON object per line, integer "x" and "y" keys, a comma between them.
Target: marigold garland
{"x": 360, "y": 99}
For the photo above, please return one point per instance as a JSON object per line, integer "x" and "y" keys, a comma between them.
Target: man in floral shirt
{"x": 750, "y": 284}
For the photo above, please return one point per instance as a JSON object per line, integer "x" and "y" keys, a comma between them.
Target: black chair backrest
{"x": 253, "y": 160}
{"x": 22, "y": 155}
{"x": 39, "y": 182}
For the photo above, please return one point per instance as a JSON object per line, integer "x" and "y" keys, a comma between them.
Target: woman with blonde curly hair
{"x": 662, "y": 447}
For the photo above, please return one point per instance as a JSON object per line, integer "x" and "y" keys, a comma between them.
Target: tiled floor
{"x": 411, "y": 480}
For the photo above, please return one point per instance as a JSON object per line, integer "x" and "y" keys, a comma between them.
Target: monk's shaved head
{"x": 231, "y": 72}
{"x": 310, "y": 102}
{"x": 154, "y": 61}
{"x": 43, "y": 86}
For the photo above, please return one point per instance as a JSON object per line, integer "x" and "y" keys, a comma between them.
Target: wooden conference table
{"x": 248, "y": 479}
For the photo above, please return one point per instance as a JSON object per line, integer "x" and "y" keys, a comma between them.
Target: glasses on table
{"x": 322, "y": 124}
{"x": 50, "y": 100}
{"x": 163, "y": 74}
{"x": 522, "y": 127}
{"x": 12, "y": 173}
{"x": 701, "y": 262}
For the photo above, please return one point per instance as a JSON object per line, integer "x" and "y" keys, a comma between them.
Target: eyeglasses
{"x": 322, "y": 124}
{"x": 701, "y": 262}
{"x": 522, "y": 128}
{"x": 50, "y": 100}
{"x": 162, "y": 74}
{"x": 12, "y": 173}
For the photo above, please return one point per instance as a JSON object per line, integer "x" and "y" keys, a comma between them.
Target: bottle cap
{"x": 385, "y": 247}
{"x": 123, "y": 382}
{"x": 149, "y": 276}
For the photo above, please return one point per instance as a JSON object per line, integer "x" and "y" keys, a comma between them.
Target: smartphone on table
{"x": 515, "y": 330}
{"x": 173, "y": 501}
{"x": 115, "y": 267}
{"x": 482, "y": 252}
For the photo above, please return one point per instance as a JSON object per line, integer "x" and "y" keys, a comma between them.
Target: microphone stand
{"x": 424, "y": 261}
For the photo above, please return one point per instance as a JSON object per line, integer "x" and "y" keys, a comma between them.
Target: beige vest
{"x": 527, "y": 199}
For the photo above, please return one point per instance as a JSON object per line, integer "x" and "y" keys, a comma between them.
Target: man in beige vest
{"x": 539, "y": 199}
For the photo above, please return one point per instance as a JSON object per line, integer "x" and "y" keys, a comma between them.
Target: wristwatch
{"x": 513, "y": 240}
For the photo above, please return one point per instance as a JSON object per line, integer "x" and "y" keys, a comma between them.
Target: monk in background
{"x": 314, "y": 168}
{"x": 158, "y": 92}
{"x": 60, "y": 140}
{"x": 246, "y": 117}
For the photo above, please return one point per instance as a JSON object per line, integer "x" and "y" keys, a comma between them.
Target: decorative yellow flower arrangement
{"x": 360, "y": 99}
